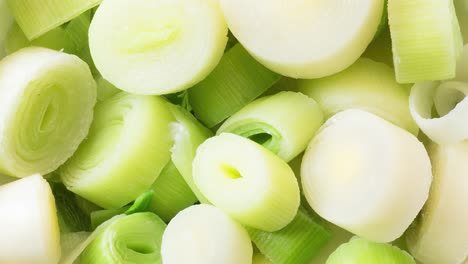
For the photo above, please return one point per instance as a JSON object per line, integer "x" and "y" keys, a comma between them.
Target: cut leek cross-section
{"x": 30, "y": 230}
{"x": 304, "y": 39}
{"x": 125, "y": 151}
{"x": 426, "y": 39}
{"x": 247, "y": 181}
{"x": 268, "y": 121}
{"x": 157, "y": 46}
{"x": 358, "y": 169}
{"x": 46, "y": 108}
{"x": 203, "y": 234}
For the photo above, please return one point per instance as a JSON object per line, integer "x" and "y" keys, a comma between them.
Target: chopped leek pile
{"x": 234, "y": 131}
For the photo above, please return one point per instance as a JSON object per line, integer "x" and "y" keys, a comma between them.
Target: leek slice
{"x": 439, "y": 235}
{"x": 38, "y": 17}
{"x": 30, "y": 230}
{"x": 361, "y": 251}
{"x": 247, "y": 181}
{"x": 171, "y": 193}
{"x": 426, "y": 39}
{"x": 69, "y": 242}
{"x": 283, "y": 35}
{"x": 235, "y": 82}
{"x": 152, "y": 40}
{"x": 46, "y": 101}
{"x": 268, "y": 122}
{"x": 134, "y": 238}
{"x": 203, "y": 234}
{"x": 101, "y": 216}
{"x": 357, "y": 170}
{"x": 124, "y": 152}
{"x": 187, "y": 134}
{"x": 6, "y": 20}
{"x": 450, "y": 102}
{"x": 366, "y": 85}
{"x": 297, "y": 243}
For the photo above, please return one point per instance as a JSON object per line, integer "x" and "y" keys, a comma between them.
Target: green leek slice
{"x": 366, "y": 85}
{"x": 124, "y": 152}
{"x": 30, "y": 230}
{"x": 203, "y": 234}
{"x": 426, "y": 39}
{"x": 236, "y": 81}
{"x": 246, "y": 180}
{"x": 297, "y": 243}
{"x": 46, "y": 108}
{"x": 439, "y": 235}
{"x": 361, "y": 251}
{"x": 304, "y": 39}
{"x": 157, "y": 46}
{"x": 357, "y": 170}
{"x": 172, "y": 194}
{"x": 268, "y": 122}
{"x": 38, "y": 17}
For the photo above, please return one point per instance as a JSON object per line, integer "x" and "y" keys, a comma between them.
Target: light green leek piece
{"x": 246, "y": 180}
{"x": 38, "y": 17}
{"x": 361, "y": 251}
{"x": 426, "y": 39}
{"x": 366, "y": 85}
{"x": 125, "y": 151}
{"x": 134, "y": 238}
{"x": 283, "y": 123}
{"x": 46, "y": 108}
{"x": 236, "y": 81}
{"x": 297, "y": 243}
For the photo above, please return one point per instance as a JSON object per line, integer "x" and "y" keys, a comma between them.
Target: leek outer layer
{"x": 46, "y": 101}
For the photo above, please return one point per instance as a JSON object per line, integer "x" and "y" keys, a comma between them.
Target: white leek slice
{"x": 157, "y": 46}
{"x": 46, "y": 108}
{"x": 6, "y": 20}
{"x": 203, "y": 234}
{"x": 449, "y": 100}
{"x": 440, "y": 233}
{"x": 304, "y": 39}
{"x": 357, "y": 171}
{"x": 29, "y": 230}
{"x": 247, "y": 181}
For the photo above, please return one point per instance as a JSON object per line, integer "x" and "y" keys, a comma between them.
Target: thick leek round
{"x": 247, "y": 181}
{"x": 440, "y": 235}
{"x": 203, "y": 234}
{"x": 366, "y": 85}
{"x": 46, "y": 108}
{"x": 357, "y": 171}
{"x": 268, "y": 122}
{"x": 157, "y": 46}
{"x": 124, "y": 152}
{"x": 29, "y": 225}
{"x": 304, "y": 39}
{"x": 361, "y": 251}
{"x": 131, "y": 239}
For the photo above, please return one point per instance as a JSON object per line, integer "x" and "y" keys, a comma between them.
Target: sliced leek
{"x": 304, "y": 39}
{"x": 358, "y": 169}
{"x": 268, "y": 122}
{"x": 426, "y": 39}
{"x": 366, "y": 85}
{"x": 134, "y": 238}
{"x": 38, "y": 17}
{"x": 157, "y": 46}
{"x": 236, "y": 81}
{"x": 247, "y": 181}
{"x": 298, "y": 243}
{"x": 203, "y": 234}
{"x": 439, "y": 235}
{"x": 448, "y": 99}
{"x": 30, "y": 230}
{"x": 362, "y": 251}
{"x": 124, "y": 152}
{"x": 46, "y": 108}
